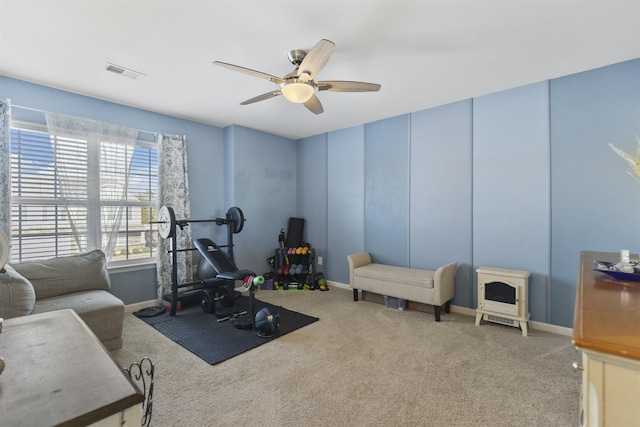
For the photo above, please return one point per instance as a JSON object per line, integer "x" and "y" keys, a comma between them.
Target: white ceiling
{"x": 423, "y": 53}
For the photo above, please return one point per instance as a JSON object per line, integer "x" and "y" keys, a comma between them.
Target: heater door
{"x": 500, "y": 297}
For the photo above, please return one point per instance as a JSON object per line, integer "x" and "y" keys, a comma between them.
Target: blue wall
{"x": 386, "y": 190}
{"x": 311, "y": 194}
{"x": 228, "y": 167}
{"x": 595, "y": 203}
{"x": 440, "y": 192}
{"x": 345, "y": 199}
{"x": 263, "y": 171}
{"x": 204, "y": 156}
{"x": 519, "y": 179}
{"x": 511, "y": 186}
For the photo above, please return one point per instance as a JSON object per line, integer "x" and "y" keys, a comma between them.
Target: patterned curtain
{"x": 173, "y": 191}
{"x": 5, "y": 167}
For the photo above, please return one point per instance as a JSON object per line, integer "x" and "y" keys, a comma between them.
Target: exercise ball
{"x": 266, "y": 323}
{"x": 205, "y": 270}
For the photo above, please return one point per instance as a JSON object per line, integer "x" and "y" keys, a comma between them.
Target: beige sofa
{"x": 79, "y": 282}
{"x": 435, "y": 288}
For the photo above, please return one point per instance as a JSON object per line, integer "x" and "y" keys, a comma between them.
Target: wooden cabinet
{"x": 607, "y": 331}
{"x": 611, "y": 390}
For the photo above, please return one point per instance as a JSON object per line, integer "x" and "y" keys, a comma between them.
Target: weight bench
{"x": 225, "y": 269}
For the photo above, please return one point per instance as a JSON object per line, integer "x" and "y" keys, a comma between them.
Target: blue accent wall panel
{"x": 440, "y": 195}
{"x": 387, "y": 190}
{"x": 345, "y": 201}
{"x": 312, "y": 190}
{"x": 229, "y": 181}
{"x": 264, "y": 173}
{"x": 205, "y": 161}
{"x": 596, "y": 204}
{"x": 511, "y": 211}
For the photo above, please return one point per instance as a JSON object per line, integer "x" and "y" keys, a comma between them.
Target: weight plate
{"x": 226, "y": 296}
{"x": 166, "y": 222}
{"x": 207, "y": 302}
{"x": 235, "y": 214}
{"x": 244, "y": 322}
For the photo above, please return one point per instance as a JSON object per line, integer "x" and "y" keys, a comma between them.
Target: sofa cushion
{"x": 394, "y": 274}
{"x": 100, "y": 310}
{"x": 17, "y": 296}
{"x": 63, "y": 275}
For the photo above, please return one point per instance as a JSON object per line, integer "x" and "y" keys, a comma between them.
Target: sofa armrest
{"x": 355, "y": 261}
{"x": 444, "y": 283}
{"x": 17, "y": 296}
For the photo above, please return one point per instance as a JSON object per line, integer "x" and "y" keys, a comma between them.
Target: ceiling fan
{"x": 299, "y": 86}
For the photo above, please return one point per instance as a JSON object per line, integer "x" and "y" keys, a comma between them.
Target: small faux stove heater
{"x": 502, "y": 297}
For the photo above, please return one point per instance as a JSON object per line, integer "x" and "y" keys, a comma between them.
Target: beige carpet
{"x": 366, "y": 365}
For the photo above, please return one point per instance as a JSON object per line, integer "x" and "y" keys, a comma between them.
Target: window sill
{"x": 133, "y": 265}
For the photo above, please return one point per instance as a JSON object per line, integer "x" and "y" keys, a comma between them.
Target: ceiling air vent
{"x": 122, "y": 71}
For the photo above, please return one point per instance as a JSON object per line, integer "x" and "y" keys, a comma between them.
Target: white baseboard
{"x": 463, "y": 310}
{"x": 540, "y": 326}
{"x": 132, "y": 308}
{"x": 338, "y": 284}
{"x": 554, "y": 329}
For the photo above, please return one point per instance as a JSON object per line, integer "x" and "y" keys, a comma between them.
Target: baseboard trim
{"x": 554, "y": 329}
{"x": 540, "y": 326}
{"x": 463, "y": 310}
{"x": 338, "y": 284}
{"x": 132, "y": 308}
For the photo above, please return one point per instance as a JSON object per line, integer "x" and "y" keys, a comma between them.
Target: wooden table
{"x": 607, "y": 315}
{"x": 58, "y": 374}
{"x": 606, "y": 328}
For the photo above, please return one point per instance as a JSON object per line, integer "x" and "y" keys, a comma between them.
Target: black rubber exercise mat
{"x": 214, "y": 341}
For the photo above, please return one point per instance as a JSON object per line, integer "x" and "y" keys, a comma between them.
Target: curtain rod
{"x": 42, "y": 111}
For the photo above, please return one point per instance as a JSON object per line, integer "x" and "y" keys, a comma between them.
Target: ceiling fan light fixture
{"x": 296, "y": 91}
{"x": 299, "y": 86}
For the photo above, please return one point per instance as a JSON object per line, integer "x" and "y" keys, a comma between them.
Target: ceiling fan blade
{"x": 276, "y": 80}
{"x": 314, "y": 105}
{"x": 316, "y": 59}
{"x": 261, "y": 97}
{"x": 345, "y": 86}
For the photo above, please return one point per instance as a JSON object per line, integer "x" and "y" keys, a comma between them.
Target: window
{"x": 63, "y": 203}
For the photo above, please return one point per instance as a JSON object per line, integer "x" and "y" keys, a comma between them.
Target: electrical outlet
{"x": 319, "y": 260}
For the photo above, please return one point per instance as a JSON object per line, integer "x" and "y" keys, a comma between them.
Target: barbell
{"x": 167, "y": 221}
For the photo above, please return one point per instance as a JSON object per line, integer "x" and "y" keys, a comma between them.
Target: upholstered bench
{"x": 432, "y": 287}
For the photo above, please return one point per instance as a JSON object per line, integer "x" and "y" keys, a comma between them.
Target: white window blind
{"x": 94, "y": 178}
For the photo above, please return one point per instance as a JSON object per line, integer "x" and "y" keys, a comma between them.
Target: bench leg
{"x": 355, "y": 295}
{"x": 437, "y": 312}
